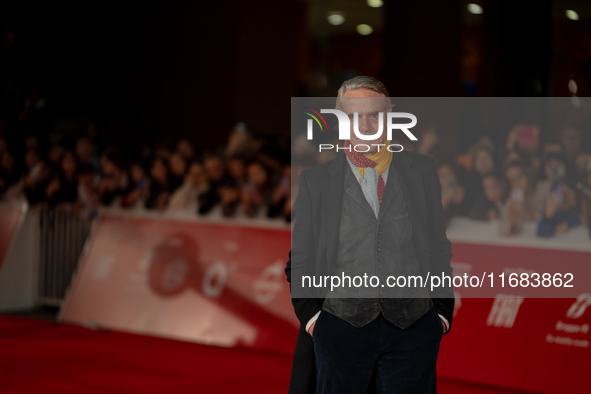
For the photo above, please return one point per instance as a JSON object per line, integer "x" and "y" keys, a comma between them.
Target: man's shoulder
{"x": 320, "y": 171}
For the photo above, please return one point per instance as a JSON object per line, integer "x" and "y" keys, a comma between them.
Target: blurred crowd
{"x": 249, "y": 176}
{"x": 524, "y": 180}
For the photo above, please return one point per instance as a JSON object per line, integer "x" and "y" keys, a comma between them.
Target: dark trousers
{"x": 404, "y": 360}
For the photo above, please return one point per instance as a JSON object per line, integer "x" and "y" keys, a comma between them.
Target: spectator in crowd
{"x": 222, "y": 188}
{"x": 86, "y": 154}
{"x": 257, "y": 190}
{"x": 269, "y": 157}
{"x": 560, "y": 209}
{"x": 63, "y": 188}
{"x": 525, "y": 139}
{"x": 280, "y": 203}
{"x": 88, "y": 201}
{"x": 138, "y": 189}
{"x": 582, "y": 164}
{"x": 237, "y": 171}
{"x": 34, "y": 181}
{"x": 186, "y": 149}
{"x": 185, "y": 198}
{"x": 159, "y": 189}
{"x": 572, "y": 141}
{"x": 479, "y": 161}
{"x": 178, "y": 167}
{"x": 526, "y": 198}
{"x": 452, "y": 192}
{"x": 239, "y": 142}
{"x": 427, "y": 142}
{"x": 483, "y": 162}
{"x": 489, "y": 205}
{"x": 54, "y": 156}
{"x": 114, "y": 181}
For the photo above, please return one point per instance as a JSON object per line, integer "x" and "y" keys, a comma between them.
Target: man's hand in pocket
{"x": 311, "y": 329}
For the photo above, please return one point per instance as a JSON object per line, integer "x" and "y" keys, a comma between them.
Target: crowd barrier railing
{"x": 62, "y": 234}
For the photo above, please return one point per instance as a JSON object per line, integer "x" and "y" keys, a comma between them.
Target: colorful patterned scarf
{"x": 379, "y": 161}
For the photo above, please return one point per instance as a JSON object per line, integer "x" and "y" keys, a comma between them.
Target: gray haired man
{"x": 378, "y": 213}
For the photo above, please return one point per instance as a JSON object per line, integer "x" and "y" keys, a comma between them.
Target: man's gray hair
{"x": 363, "y": 82}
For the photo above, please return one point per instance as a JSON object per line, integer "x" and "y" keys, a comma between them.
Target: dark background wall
{"x": 180, "y": 69}
{"x": 156, "y": 70}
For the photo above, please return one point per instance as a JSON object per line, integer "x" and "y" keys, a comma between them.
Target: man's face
{"x": 368, "y": 104}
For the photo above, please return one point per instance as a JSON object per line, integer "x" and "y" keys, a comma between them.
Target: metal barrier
{"x": 63, "y": 233}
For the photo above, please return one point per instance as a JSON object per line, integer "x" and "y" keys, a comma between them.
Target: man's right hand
{"x": 311, "y": 329}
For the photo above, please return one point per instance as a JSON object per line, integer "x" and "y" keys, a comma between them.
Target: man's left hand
{"x": 443, "y": 324}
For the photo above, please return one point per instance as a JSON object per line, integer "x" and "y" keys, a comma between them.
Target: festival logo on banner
{"x": 199, "y": 281}
{"x": 571, "y": 332}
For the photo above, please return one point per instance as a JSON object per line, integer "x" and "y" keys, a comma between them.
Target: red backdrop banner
{"x": 537, "y": 344}
{"x": 209, "y": 283}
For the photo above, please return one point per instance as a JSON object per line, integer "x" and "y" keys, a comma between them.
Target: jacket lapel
{"x": 414, "y": 194}
{"x": 332, "y": 197}
{"x": 392, "y": 187}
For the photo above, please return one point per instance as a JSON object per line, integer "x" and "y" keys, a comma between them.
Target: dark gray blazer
{"x": 317, "y": 213}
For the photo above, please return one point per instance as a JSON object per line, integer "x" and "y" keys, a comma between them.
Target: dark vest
{"x": 379, "y": 247}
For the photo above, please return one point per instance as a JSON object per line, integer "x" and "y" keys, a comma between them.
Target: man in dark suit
{"x": 378, "y": 213}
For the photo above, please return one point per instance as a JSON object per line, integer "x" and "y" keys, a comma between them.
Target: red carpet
{"x": 43, "y": 357}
